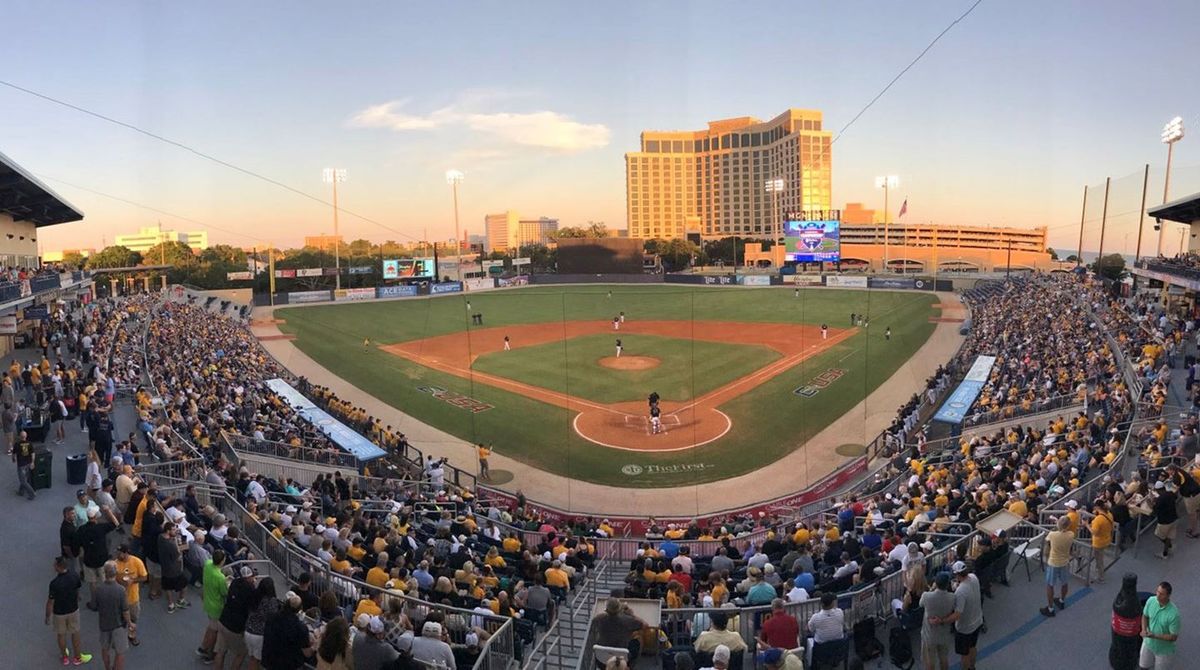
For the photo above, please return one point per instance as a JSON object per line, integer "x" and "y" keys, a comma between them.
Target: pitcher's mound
{"x": 630, "y": 362}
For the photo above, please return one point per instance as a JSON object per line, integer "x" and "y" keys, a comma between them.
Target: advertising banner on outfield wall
{"x": 235, "y": 276}
{"x": 348, "y": 294}
{"x": 361, "y": 270}
{"x": 754, "y": 280}
{"x": 396, "y": 291}
{"x": 307, "y": 296}
{"x": 890, "y": 282}
{"x": 513, "y": 281}
{"x": 954, "y": 410}
{"x": 803, "y": 280}
{"x": 446, "y": 287}
{"x": 310, "y": 272}
{"x": 843, "y": 281}
{"x": 479, "y": 284}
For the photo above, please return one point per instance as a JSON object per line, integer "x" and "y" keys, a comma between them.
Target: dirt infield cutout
{"x": 624, "y": 425}
{"x": 629, "y": 362}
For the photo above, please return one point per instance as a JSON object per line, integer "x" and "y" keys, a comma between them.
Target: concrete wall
{"x": 18, "y": 242}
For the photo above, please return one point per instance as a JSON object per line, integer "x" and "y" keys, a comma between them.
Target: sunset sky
{"x": 1002, "y": 123}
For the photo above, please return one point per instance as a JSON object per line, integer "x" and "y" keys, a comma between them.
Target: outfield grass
{"x": 769, "y": 421}
{"x": 687, "y": 368}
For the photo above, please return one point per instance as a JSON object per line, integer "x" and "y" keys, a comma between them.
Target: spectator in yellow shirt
{"x": 1102, "y": 530}
{"x": 556, "y": 577}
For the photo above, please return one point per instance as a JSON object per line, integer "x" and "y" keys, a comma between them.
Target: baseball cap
{"x": 771, "y": 656}
{"x": 376, "y": 625}
{"x": 247, "y": 571}
{"x": 431, "y": 629}
{"x": 721, "y": 653}
{"x": 1072, "y": 504}
{"x": 959, "y": 567}
{"x": 362, "y": 621}
{"x": 80, "y": 493}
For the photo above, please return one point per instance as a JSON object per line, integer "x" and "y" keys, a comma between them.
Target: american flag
{"x": 903, "y": 208}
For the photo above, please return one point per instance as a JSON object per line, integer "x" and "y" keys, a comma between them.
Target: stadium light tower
{"x": 334, "y": 176}
{"x": 1171, "y": 133}
{"x": 774, "y": 187}
{"x": 454, "y": 177}
{"x": 886, "y": 183}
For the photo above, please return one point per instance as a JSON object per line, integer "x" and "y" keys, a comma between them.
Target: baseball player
{"x": 887, "y": 333}
{"x": 853, "y": 319}
{"x": 506, "y": 343}
{"x": 797, "y": 291}
{"x": 652, "y": 399}
{"x": 616, "y": 323}
{"x": 824, "y": 331}
{"x": 655, "y": 421}
{"x": 468, "y": 305}
{"x": 366, "y": 343}
{"x": 618, "y": 347}
{"x": 622, "y": 315}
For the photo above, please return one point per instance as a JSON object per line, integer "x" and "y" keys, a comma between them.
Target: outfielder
{"x": 506, "y": 347}
{"x": 618, "y": 347}
{"x": 824, "y": 331}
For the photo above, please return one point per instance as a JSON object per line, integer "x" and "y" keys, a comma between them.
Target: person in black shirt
{"x": 1166, "y": 513}
{"x": 22, "y": 453}
{"x": 91, "y": 539}
{"x": 308, "y": 599}
{"x": 66, "y": 538}
{"x": 62, "y": 607}
{"x": 233, "y": 619}
{"x": 286, "y": 641}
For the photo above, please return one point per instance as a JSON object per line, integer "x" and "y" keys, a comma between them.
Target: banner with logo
{"x": 361, "y": 270}
{"x": 396, "y": 291}
{"x": 479, "y": 284}
{"x": 754, "y": 280}
{"x": 310, "y": 272}
{"x": 236, "y": 276}
{"x": 446, "y": 287}
{"x": 488, "y": 265}
{"x": 521, "y": 261}
{"x": 8, "y": 324}
{"x": 842, "y": 281}
{"x": 513, "y": 281}
{"x": 891, "y": 282}
{"x": 285, "y": 274}
{"x": 40, "y": 313}
{"x": 954, "y": 410}
{"x": 348, "y": 294}
{"x": 804, "y": 280}
{"x": 307, "y": 296}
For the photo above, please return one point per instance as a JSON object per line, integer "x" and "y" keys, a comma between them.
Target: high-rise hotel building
{"x": 713, "y": 181}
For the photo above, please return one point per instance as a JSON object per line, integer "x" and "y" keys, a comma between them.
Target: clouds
{"x": 544, "y": 129}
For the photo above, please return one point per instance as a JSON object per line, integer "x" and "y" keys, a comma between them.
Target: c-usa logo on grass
{"x": 632, "y": 470}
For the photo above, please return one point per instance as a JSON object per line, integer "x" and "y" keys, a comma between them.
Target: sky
{"x": 1003, "y": 122}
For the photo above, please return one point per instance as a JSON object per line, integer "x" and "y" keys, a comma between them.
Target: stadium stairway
{"x": 560, "y": 647}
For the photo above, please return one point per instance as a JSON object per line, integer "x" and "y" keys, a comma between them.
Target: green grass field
{"x": 688, "y": 368}
{"x": 769, "y": 421}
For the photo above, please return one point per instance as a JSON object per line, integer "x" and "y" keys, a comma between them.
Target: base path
{"x": 626, "y": 425}
{"x": 794, "y": 472}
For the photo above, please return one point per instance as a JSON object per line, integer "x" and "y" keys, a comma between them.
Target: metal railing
{"x": 334, "y": 457}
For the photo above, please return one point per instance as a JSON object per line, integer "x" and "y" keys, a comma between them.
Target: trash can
{"x": 42, "y": 465}
{"x": 77, "y": 469}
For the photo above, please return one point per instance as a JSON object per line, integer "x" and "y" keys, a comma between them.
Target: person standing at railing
{"x": 1189, "y": 490}
{"x": 1058, "y": 555}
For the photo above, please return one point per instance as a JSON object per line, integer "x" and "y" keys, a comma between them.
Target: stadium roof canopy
{"x": 1184, "y": 210}
{"x": 25, "y": 198}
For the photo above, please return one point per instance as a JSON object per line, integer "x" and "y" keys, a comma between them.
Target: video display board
{"x": 812, "y": 241}
{"x": 408, "y": 268}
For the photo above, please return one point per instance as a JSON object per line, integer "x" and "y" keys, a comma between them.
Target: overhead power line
{"x": 201, "y": 154}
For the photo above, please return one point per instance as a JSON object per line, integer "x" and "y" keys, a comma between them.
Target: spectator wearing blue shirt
{"x": 669, "y": 549}
{"x": 871, "y": 538}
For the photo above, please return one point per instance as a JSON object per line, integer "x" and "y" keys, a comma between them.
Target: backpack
{"x": 866, "y": 645}
{"x": 900, "y": 649}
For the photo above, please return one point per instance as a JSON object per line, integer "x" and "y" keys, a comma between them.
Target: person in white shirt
{"x": 256, "y": 491}
{"x": 797, "y": 594}
{"x": 847, "y": 569}
{"x": 683, "y": 562}
{"x": 825, "y": 626}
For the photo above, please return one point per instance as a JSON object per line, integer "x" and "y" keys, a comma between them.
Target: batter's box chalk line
{"x": 638, "y": 422}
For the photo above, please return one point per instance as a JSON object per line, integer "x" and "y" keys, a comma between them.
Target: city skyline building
{"x": 147, "y": 238}
{"x": 507, "y": 231}
{"x": 715, "y": 181}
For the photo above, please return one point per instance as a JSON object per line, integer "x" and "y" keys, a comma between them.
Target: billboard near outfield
{"x": 408, "y": 268}
{"x": 812, "y": 241}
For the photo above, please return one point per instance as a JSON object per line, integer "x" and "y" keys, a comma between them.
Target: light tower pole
{"x": 774, "y": 187}
{"x": 454, "y": 177}
{"x": 333, "y": 176}
{"x": 1171, "y": 133}
{"x": 886, "y": 183}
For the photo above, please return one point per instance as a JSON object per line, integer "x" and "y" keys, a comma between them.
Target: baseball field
{"x": 744, "y": 375}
